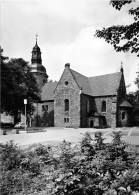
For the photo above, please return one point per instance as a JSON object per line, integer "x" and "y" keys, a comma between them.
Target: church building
{"x": 80, "y": 101}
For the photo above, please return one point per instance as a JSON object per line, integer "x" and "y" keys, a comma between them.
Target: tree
{"x": 17, "y": 83}
{"x": 124, "y": 37}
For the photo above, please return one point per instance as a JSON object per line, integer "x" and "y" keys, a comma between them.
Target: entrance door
{"x": 91, "y": 123}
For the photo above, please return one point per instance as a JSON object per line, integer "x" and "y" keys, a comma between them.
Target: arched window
{"x": 123, "y": 115}
{"x": 66, "y": 102}
{"x": 103, "y": 106}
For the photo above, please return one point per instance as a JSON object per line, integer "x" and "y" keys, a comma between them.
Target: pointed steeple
{"x": 36, "y": 39}
{"x": 37, "y": 68}
{"x": 36, "y": 54}
{"x": 122, "y": 70}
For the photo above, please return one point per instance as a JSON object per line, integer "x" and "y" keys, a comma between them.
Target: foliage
{"x": 22, "y": 170}
{"x": 123, "y": 38}
{"x": 131, "y": 97}
{"x": 17, "y": 84}
{"x": 92, "y": 167}
{"x": 102, "y": 169}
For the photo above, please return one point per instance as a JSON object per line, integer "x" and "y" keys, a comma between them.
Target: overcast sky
{"x": 66, "y": 34}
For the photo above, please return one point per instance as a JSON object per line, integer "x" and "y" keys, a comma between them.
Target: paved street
{"x": 50, "y": 135}
{"x": 56, "y": 135}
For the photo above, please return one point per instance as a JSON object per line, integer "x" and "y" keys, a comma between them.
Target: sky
{"x": 66, "y": 31}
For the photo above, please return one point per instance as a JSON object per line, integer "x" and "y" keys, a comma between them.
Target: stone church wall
{"x": 111, "y": 109}
{"x": 67, "y": 89}
{"x": 87, "y": 106}
{"x": 44, "y": 114}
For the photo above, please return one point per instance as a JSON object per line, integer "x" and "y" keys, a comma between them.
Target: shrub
{"x": 103, "y": 169}
{"x": 93, "y": 167}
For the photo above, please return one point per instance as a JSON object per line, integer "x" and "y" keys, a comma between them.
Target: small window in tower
{"x": 66, "y": 83}
{"x": 103, "y": 106}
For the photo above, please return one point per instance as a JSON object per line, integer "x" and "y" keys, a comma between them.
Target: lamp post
{"x": 25, "y": 103}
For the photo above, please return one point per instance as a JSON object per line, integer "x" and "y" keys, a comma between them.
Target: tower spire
{"x": 36, "y": 39}
{"x": 122, "y": 70}
{"x": 37, "y": 68}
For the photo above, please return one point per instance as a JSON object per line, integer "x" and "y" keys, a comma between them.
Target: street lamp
{"x": 25, "y": 103}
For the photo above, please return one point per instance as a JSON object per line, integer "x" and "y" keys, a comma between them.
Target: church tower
{"x": 37, "y": 68}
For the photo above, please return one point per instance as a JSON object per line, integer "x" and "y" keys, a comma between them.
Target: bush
{"x": 103, "y": 169}
{"x": 93, "y": 167}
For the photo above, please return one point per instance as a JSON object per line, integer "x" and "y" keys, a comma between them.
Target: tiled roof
{"x": 105, "y": 84}
{"x": 82, "y": 82}
{"x": 99, "y": 85}
{"x": 125, "y": 103}
{"x": 48, "y": 91}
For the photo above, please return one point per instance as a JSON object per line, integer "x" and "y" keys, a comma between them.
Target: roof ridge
{"x": 78, "y": 73}
{"x": 104, "y": 75}
{"x": 51, "y": 82}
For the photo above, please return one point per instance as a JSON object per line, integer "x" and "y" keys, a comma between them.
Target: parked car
{"x": 20, "y": 125}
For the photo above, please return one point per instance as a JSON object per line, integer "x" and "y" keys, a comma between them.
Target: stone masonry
{"x": 111, "y": 109}
{"x": 71, "y": 92}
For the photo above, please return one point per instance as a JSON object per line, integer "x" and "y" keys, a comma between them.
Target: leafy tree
{"x": 124, "y": 37}
{"x": 17, "y": 84}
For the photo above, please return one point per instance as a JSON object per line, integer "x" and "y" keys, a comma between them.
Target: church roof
{"x": 82, "y": 82}
{"x": 48, "y": 91}
{"x": 98, "y": 85}
{"x": 125, "y": 103}
{"x": 102, "y": 85}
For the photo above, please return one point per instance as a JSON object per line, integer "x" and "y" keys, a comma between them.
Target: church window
{"x": 66, "y": 83}
{"x": 66, "y": 120}
{"x": 44, "y": 108}
{"x": 66, "y": 102}
{"x": 123, "y": 115}
{"x": 103, "y": 106}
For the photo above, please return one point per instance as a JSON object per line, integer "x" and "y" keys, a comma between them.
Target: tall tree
{"x": 17, "y": 83}
{"x": 123, "y": 37}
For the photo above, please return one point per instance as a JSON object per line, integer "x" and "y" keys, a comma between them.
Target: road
{"x": 56, "y": 135}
